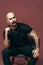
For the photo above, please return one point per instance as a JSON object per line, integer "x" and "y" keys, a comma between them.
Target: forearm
{"x": 37, "y": 42}
{"x": 37, "y": 50}
{"x": 6, "y": 43}
{"x": 35, "y": 36}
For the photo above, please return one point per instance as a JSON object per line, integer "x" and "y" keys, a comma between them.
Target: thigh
{"x": 10, "y": 52}
{"x": 26, "y": 50}
{"x": 14, "y": 51}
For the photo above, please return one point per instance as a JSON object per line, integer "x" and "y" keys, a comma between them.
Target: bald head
{"x": 11, "y": 18}
{"x": 10, "y": 14}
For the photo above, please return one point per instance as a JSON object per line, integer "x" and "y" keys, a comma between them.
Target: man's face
{"x": 11, "y": 19}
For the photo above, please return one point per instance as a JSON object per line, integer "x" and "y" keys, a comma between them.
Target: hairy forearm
{"x": 36, "y": 38}
{"x": 37, "y": 42}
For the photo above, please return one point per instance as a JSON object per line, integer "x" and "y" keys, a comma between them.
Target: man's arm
{"x": 37, "y": 42}
{"x": 36, "y": 38}
{"x": 6, "y": 42}
{"x": 34, "y": 35}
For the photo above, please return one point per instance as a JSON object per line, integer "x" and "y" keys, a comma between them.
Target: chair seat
{"x": 19, "y": 60}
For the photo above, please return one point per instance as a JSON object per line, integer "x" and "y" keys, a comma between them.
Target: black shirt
{"x": 19, "y": 36}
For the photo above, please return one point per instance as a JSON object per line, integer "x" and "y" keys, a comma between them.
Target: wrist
{"x": 37, "y": 49}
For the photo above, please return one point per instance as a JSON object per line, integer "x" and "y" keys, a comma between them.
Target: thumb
{"x": 33, "y": 51}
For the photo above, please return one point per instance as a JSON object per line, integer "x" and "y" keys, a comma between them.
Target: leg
{"x": 32, "y": 61}
{"x": 27, "y": 51}
{"x": 6, "y": 53}
{"x": 5, "y": 57}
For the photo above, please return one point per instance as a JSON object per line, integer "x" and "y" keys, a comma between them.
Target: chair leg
{"x": 27, "y": 60}
{"x": 13, "y": 60}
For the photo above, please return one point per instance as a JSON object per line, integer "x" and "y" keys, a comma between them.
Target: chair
{"x": 20, "y": 60}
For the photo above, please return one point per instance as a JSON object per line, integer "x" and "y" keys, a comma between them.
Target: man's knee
{"x": 5, "y": 52}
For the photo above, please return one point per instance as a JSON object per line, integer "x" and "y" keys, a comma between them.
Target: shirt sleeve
{"x": 27, "y": 28}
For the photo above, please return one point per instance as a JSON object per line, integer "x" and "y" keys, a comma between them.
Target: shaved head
{"x": 10, "y": 14}
{"x": 11, "y": 19}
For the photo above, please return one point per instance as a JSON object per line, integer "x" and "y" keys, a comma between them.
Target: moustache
{"x": 14, "y": 22}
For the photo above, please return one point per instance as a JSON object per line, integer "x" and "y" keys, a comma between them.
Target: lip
{"x": 14, "y": 24}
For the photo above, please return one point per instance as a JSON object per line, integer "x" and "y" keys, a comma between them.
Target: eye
{"x": 14, "y": 17}
{"x": 10, "y": 18}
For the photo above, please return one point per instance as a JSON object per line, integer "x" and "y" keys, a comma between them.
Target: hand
{"x": 35, "y": 53}
{"x": 7, "y": 30}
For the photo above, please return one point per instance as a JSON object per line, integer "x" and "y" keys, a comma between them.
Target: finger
{"x": 33, "y": 51}
{"x": 35, "y": 55}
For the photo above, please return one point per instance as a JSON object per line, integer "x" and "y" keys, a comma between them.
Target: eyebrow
{"x": 12, "y": 17}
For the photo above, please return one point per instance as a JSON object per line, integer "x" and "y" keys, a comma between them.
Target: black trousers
{"x": 25, "y": 50}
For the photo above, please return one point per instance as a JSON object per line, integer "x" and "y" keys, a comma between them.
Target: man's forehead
{"x": 10, "y": 15}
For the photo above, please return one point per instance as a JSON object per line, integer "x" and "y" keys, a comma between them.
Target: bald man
{"x": 19, "y": 38}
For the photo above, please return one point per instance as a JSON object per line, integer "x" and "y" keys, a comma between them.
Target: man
{"x": 19, "y": 38}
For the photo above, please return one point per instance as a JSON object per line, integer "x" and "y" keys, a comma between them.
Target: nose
{"x": 12, "y": 20}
